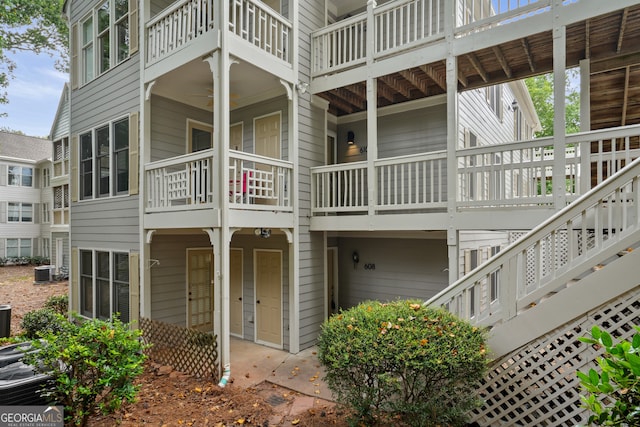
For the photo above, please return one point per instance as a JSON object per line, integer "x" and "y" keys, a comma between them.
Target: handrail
{"x": 463, "y": 292}
{"x": 166, "y": 12}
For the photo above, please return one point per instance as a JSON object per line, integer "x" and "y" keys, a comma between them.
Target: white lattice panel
{"x": 537, "y": 384}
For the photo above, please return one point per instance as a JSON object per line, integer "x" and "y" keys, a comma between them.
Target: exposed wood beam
{"x": 416, "y": 81}
{"x": 502, "y": 60}
{"x": 527, "y": 51}
{"x": 623, "y": 26}
{"x": 351, "y": 95}
{"x": 478, "y": 66}
{"x": 385, "y": 91}
{"x": 434, "y": 75}
{"x": 336, "y": 101}
{"x": 587, "y": 39}
{"x": 614, "y": 63}
{"x": 396, "y": 85}
{"x": 625, "y": 97}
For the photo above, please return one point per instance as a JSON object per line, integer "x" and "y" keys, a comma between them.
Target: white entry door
{"x": 200, "y": 289}
{"x": 235, "y": 292}
{"x": 267, "y": 144}
{"x": 268, "y": 291}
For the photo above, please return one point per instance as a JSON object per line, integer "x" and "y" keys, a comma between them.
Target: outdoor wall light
{"x": 265, "y": 233}
{"x": 351, "y": 137}
{"x": 355, "y": 258}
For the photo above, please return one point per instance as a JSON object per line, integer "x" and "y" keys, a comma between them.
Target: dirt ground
{"x": 170, "y": 398}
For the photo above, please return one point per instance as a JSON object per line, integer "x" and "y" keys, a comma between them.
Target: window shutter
{"x": 134, "y": 143}
{"x": 467, "y": 261}
{"x": 134, "y": 289}
{"x": 74, "y": 168}
{"x": 74, "y": 302}
{"x": 36, "y": 213}
{"x": 36, "y": 178}
{"x": 3, "y": 175}
{"x": 3, "y": 212}
{"x": 133, "y": 26}
{"x": 73, "y": 47}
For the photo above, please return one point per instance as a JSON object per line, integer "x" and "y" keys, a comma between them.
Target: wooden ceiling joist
{"x": 503, "y": 61}
{"x": 625, "y": 96}
{"x": 397, "y": 84}
{"x": 478, "y": 66}
{"x": 434, "y": 75}
{"x": 417, "y": 82}
{"x": 623, "y": 25}
{"x": 385, "y": 91}
{"x": 527, "y": 52}
{"x": 587, "y": 40}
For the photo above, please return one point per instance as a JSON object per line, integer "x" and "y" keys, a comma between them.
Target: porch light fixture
{"x": 351, "y": 137}
{"x": 265, "y": 233}
{"x": 514, "y": 105}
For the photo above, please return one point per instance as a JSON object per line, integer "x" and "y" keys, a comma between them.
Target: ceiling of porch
{"x": 611, "y": 42}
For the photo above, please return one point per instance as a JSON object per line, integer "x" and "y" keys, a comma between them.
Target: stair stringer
{"x": 537, "y": 384}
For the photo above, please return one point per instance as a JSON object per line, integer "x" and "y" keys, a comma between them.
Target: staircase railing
{"x": 578, "y": 241}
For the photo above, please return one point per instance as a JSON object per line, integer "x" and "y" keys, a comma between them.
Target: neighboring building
{"x": 247, "y": 168}
{"x": 59, "y": 220}
{"x": 25, "y": 196}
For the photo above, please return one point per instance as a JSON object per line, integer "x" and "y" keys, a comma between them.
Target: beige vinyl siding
{"x": 404, "y": 268}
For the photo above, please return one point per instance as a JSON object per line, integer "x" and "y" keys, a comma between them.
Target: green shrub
{"x": 618, "y": 381}
{"x": 403, "y": 362}
{"x": 93, "y": 364}
{"x": 42, "y": 321}
{"x": 58, "y": 303}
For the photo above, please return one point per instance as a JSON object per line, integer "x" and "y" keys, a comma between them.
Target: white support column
{"x": 559, "y": 174}
{"x": 372, "y": 116}
{"x": 585, "y": 124}
{"x": 452, "y": 139}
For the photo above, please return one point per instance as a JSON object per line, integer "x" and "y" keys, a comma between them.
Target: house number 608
{"x": 369, "y": 266}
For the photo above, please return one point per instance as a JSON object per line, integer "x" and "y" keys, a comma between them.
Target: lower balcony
{"x": 182, "y": 188}
{"x": 493, "y": 178}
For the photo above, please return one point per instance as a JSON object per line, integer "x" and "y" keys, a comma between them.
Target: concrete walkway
{"x": 252, "y": 364}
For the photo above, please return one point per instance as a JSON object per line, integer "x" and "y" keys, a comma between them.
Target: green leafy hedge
{"x": 403, "y": 363}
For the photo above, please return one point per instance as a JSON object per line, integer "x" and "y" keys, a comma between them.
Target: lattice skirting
{"x": 186, "y": 350}
{"x": 537, "y": 384}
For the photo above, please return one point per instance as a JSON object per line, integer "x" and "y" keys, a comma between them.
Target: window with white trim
{"x": 61, "y": 204}
{"x": 104, "y": 38}
{"x": 104, "y": 284}
{"x": 19, "y": 212}
{"x": 20, "y": 176}
{"x": 45, "y": 213}
{"x": 18, "y": 248}
{"x": 46, "y": 177}
{"x": 494, "y": 99}
{"x": 105, "y": 150}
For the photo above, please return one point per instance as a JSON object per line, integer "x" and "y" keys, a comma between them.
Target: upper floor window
{"x": 104, "y": 38}
{"x": 61, "y": 204}
{"x": 105, "y": 150}
{"x": 45, "y": 213}
{"x": 61, "y": 157}
{"x": 19, "y": 212}
{"x": 20, "y": 176}
{"x": 494, "y": 99}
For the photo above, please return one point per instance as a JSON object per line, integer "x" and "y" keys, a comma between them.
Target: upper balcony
{"x": 188, "y": 29}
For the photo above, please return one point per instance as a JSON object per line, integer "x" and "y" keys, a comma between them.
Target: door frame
{"x": 187, "y": 271}
{"x": 264, "y": 116}
{"x": 241, "y": 250}
{"x": 333, "y": 252}
{"x": 255, "y": 304}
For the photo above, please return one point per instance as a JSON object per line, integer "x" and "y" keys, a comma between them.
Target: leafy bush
{"x": 58, "y": 303}
{"x": 403, "y": 362}
{"x": 93, "y": 364}
{"x": 618, "y": 381}
{"x": 42, "y": 321}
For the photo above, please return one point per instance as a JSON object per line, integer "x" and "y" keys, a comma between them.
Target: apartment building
{"x": 25, "y": 197}
{"x": 247, "y": 168}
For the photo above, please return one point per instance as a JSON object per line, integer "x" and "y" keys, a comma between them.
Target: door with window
{"x": 200, "y": 289}
{"x": 268, "y": 291}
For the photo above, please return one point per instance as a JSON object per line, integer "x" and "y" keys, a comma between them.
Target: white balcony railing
{"x": 516, "y": 174}
{"x": 186, "y": 20}
{"x": 405, "y": 24}
{"x": 186, "y": 183}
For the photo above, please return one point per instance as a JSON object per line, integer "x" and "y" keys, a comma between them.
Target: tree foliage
{"x": 541, "y": 91}
{"x": 31, "y": 25}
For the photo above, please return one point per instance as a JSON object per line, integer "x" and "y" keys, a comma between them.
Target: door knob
{"x": 258, "y": 302}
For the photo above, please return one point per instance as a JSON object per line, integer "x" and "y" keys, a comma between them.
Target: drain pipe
{"x": 225, "y": 376}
